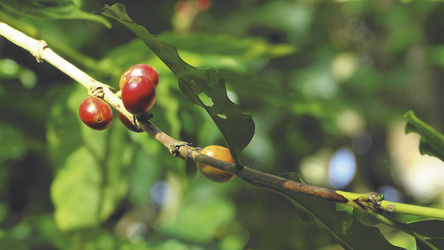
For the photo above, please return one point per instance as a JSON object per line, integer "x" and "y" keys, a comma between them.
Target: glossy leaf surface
{"x": 54, "y": 9}
{"x": 92, "y": 170}
{"x": 431, "y": 142}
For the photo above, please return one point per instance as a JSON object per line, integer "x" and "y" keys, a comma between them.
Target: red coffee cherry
{"x": 211, "y": 173}
{"x": 139, "y": 70}
{"x": 138, "y": 95}
{"x": 95, "y": 113}
{"x": 202, "y": 5}
{"x": 129, "y": 124}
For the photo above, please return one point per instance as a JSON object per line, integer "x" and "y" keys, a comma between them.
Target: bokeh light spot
{"x": 342, "y": 168}
{"x": 161, "y": 192}
{"x": 390, "y": 193}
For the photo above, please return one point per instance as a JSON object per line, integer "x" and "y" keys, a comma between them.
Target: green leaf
{"x": 143, "y": 177}
{"x": 436, "y": 243}
{"x": 91, "y": 165}
{"x": 203, "y": 50}
{"x": 430, "y": 231}
{"x": 428, "y": 228}
{"x": 225, "y": 48}
{"x": 98, "y": 185}
{"x": 436, "y": 54}
{"x": 199, "y": 221}
{"x": 79, "y": 180}
{"x": 63, "y": 125}
{"x": 338, "y": 219}
{"x": 53, "y": 9}
{"x": 236, "y": 127}
{"x": 13, "y": 143}
{"x": 47, "y": 229}
{"x": 431, "y": 142}
{"x": 10, "y": 243}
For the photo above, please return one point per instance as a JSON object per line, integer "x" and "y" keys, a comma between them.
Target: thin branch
{"x": 183, "y": 150}
{"x": 41, "y": 51}
{"x": 402, "y": 208}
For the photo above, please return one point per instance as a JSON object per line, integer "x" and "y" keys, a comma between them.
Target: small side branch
{"x": 396, "y": 207}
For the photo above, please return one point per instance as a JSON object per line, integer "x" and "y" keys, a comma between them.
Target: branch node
{"x": 175, "y": 150}
{"x": 41, "y": 46}
{"x": 365, "y": 203}
{"x": 372, "y": 202}
{"x": 97, "y": 91}
{"x": 391, "y": 207}
{"x": 373, "y": 196}
{"x": 239, "y": 168}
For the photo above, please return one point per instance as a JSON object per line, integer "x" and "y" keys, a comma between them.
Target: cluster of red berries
{"x": 138, "y": 92}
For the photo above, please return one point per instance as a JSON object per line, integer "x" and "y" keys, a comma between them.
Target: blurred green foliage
{"x": 313, "y": 74}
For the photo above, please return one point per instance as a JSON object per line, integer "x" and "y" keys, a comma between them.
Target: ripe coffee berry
{"x": 129, "y": 124}
{"x": 95, "y": 113}
{"x": 139, "y": 70}
{"x": 211, "y": 173}
{"x": 202, "y": 5}
{"x": 138, "y": 95}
